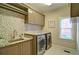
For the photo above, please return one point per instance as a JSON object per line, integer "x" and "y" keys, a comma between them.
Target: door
{"x": 41, "y": 44}
{"x": 10, "y": 50}
{"x": 31, "y": 16}
{"x": 27, "y": 48}
{"x": 35, "y": 18}
{"x": 78, "y": 34}
{"x": 13, "y": 50}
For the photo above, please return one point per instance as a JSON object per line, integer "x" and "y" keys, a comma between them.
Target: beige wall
{"x": 55, "y": 16}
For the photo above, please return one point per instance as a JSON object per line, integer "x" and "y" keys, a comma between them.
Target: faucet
{"x": 21, "y": 36}
{"x": 14, "y": 34}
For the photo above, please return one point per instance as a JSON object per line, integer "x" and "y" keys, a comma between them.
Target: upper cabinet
{"x": 31, "y": 16}
{"x": 74, "y": 9}
{"x": 18, "y": 8}
{"x": 35, "y": 17}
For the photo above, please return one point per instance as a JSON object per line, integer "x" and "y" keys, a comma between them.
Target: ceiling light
{"x": 30, "y": 11}
{"x": 48, "y": 4}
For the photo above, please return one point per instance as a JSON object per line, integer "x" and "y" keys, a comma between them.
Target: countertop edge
{"x": 17, "y": 42}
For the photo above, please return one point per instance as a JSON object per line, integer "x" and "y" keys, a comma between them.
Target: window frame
{"x": 65, "y": 28}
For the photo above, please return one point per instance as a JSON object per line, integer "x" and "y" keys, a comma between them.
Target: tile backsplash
{"x": 32, "y": 27}
{"x": 12, "y": 24}
{"x": 10, "y": 21}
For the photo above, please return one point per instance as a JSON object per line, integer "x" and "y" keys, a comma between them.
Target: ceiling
{"x": 43, "y": 8}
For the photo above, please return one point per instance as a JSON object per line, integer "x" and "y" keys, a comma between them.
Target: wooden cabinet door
{"x": 31, "y": 16}
{"x": 35, "y": 17}
{"x": 74, "y": 9}
{"x": 40, "y": 19}
{"x": 27, "y": 48}
{"x": 13, "y": 50}
{"x": 3, "y": 51}
{"x": 10, "y": 50}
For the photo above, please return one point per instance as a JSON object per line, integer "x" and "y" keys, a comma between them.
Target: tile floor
{"x": 59, "y": 50}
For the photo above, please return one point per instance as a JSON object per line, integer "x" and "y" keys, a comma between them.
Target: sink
{"x": 20, "y": 38}
{"x": 15, "y": 40}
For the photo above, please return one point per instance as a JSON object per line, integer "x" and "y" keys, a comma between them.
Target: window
{"x": 66, "y": 29}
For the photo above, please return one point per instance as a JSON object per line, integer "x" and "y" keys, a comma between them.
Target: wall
{"x": 32, "y": 27}
{"x": 55, "y": 16}
{"x": 10, "y": 22}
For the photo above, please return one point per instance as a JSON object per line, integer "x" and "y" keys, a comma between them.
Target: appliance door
{"x": 41, "y": 44}
{"x": 48, "y": 41}
{"x": 49, "y": 37}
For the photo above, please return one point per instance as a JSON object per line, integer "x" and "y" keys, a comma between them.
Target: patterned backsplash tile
{"x": 10, "y": 21}
{"x": 12, "y": 24}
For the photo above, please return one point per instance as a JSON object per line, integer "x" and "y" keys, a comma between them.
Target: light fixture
{"x": 48, "y": 4}
{"x": 30, "y": 11}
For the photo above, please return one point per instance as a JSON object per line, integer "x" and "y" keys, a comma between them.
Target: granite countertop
{"x": 23, "y": 39}
{"x": 17, "y": 41}
{"x": 35, "y": 32}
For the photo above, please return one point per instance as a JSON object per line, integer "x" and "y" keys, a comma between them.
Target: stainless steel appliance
{"x": 41, "y": 44}
{"x": 48, "y": 40}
